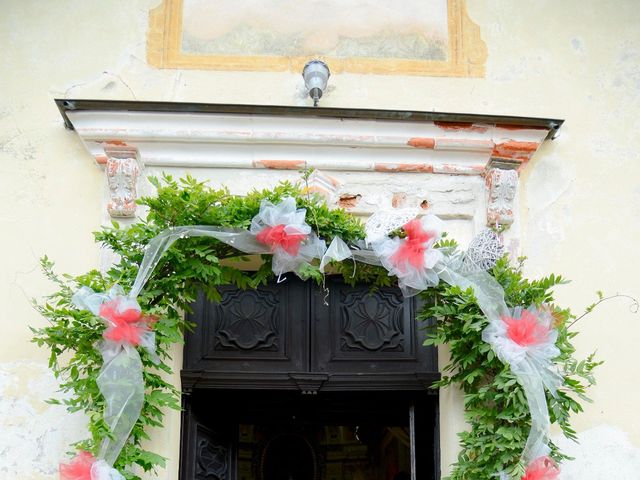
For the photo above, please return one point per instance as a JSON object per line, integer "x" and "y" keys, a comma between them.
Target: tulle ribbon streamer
{"x": 281, "y": 230}
{"x": 525, "y": 340}
{"x": 120, "y": 380}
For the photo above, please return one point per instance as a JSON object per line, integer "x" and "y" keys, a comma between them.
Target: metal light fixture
{"x": 316, "y": 75}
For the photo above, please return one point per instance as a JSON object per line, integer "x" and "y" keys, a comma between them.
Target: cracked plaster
{"x": 35, "y": 434}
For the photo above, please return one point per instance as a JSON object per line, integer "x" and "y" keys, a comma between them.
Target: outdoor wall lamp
{"x": 316, "y": 75}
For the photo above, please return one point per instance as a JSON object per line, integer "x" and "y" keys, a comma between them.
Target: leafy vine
{"x": 495, "y": 406}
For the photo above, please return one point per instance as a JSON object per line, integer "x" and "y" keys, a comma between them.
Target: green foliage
{"x": 191, "y": 265}
{"x": 495, "y": 405}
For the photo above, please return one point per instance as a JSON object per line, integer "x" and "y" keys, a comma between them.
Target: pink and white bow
{"x": 525, "y": 340}
{"x": 120, "y": 380}
{"x": 283, "y": 230}
{"x": 542, "y": 468}
{"x": 126, "y": 325}
{"x": 86, "y": 467}
{"x": 413, "y": 259}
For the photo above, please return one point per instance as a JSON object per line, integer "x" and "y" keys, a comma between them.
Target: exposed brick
{"x": 422, "y": 142}
{"x": 515, "y": 150}
{"x": 404, "y": 167}
{"x": 398, "y": 199}
{"x": 461, "y": 126}
{"x": 281, "y": 164}
{"x": 348, "y": 200}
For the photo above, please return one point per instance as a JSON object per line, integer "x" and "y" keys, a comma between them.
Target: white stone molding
{"x": 203, "y": 140}
{"x": 122, "y": 171}
{"x": 366, "y": 164}
{"x": 502, "y": 186}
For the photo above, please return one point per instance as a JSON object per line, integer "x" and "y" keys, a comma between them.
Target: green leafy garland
{"x": 495, "y": 405}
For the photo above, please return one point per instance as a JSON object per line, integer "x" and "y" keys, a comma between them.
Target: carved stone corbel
{"x": 123, "y": 169}
{"x": 502, "y": 186}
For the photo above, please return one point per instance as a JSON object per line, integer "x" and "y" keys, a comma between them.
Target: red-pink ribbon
{"x": 79, "y": 468}
{"x": 277, "y": 237}
{"x": 526, "y": 330}
{"x": 412, "y": 248}
{"x": 542, "y": 468}
{"x": 125, "y": 326}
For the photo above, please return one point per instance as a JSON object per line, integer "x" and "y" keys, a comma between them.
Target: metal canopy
{"x": 66, "y": 105}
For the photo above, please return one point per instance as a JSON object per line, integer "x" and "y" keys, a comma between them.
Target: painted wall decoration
{"x": 421, "y": 37}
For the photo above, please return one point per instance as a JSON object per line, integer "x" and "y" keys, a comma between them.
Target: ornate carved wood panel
{"x": 367, "y": 331}
{"x": 247, "y": 321}
{"x": 250, "y": 331}
{"x": 208, "y": 446}
{"x": 212, "y": 457}
{"x": 371, "y": 322}
{"x": 295, "y": 335}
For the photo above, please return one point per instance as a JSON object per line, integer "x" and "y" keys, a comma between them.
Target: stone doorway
{"x": 288, "y": 382}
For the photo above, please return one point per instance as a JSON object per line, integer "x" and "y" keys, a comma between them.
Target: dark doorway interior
{"x": 259, "y": 435}
{"x": 286, "y": 456}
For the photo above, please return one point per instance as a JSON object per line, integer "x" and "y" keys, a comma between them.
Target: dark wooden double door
{"x": 293, "y": 381}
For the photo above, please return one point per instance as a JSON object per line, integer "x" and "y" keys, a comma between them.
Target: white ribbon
{"x": 120, "y": 379}
{"x": 532, "y": 364}
{"x": 100, "y": 470}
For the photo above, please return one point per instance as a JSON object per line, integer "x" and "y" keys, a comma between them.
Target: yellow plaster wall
{"x": 575, "y": 59}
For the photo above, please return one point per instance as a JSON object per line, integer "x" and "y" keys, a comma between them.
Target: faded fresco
{"x": 402, "y": 29}
{"x": 400, "y": 37}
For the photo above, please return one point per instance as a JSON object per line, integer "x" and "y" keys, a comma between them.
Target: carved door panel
{"x": 369, "y": 332}
{"x": 296, "y": 335}
{"x": 262, "y": 330}
{"x": 208, "y": 448}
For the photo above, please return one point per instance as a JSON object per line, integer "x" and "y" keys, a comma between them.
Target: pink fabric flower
{"x": 283, "y": 229}
{"x": 283, "y": 237}
{"x": 411, "y": 250}
{"x": 79, "y": 468}
{"x": 542, "y": 468}
{"x": 126, "y": 325}
{"x": 526, "y": 330}
{"x": 412, "y": 259}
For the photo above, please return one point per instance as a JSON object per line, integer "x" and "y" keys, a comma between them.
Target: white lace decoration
{"x": 381, "y": 223}
{"x": 484, "y": 251}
